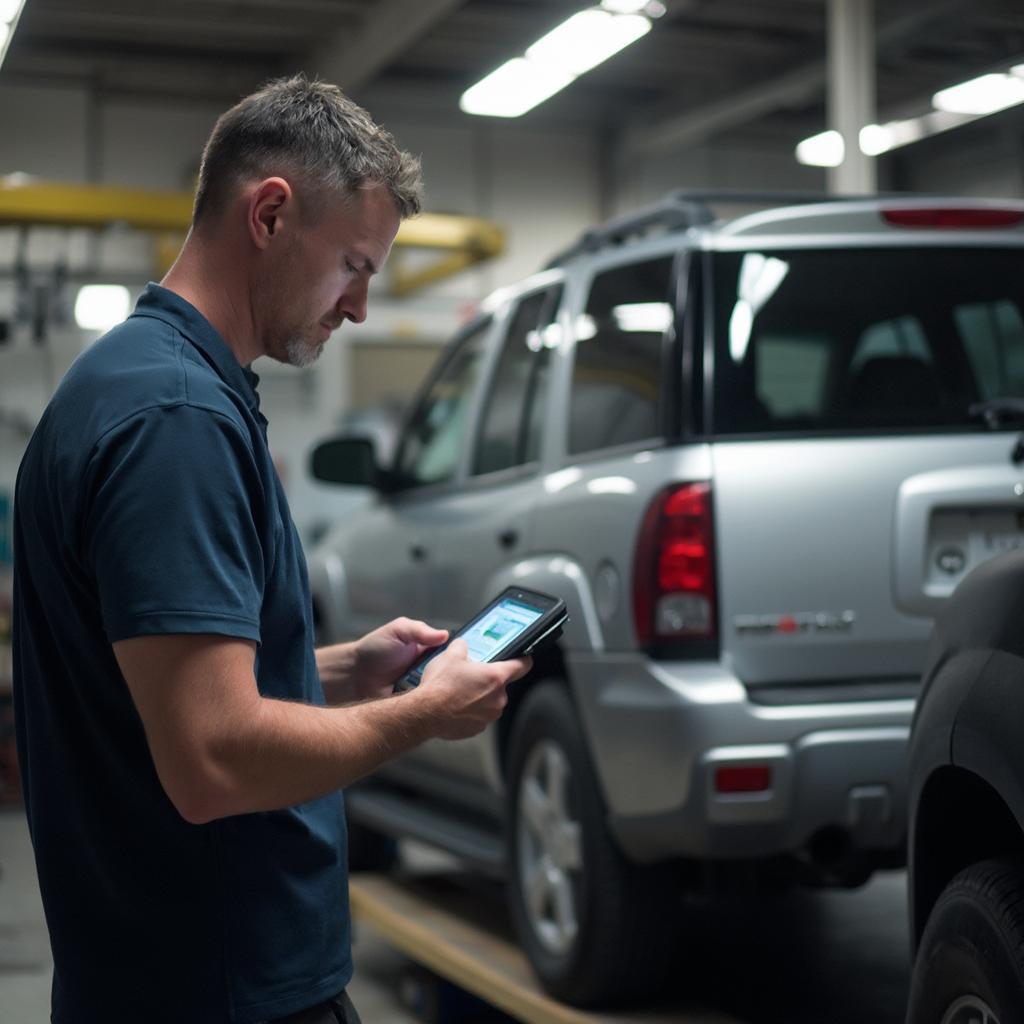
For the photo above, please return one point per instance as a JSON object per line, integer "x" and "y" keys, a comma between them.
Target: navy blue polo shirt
{"x": 147, "y": 503}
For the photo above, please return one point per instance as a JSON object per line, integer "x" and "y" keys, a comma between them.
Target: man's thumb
{"x": 458, "y": 649}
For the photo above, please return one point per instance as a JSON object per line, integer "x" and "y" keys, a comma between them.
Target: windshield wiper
{"x": 998, "y": 411}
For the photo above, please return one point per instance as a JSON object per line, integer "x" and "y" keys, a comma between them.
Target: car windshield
{"x": 866, "y": 340}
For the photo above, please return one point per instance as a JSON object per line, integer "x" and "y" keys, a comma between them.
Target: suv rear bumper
{"x": 660, "y": 730}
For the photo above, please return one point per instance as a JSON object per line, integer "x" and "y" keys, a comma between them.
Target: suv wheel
{"x": 590, "y": 922}
{"x": 970, "y": 966}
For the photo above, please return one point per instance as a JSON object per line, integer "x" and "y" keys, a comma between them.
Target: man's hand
{"x": 466, "y": 696}
{"x": 384, "y": 655}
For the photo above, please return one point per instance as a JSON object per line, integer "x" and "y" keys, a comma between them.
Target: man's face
{"x": 320, "y": 277}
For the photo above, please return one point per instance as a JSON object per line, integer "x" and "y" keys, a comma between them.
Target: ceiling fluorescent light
{"x": 876, "y": 139}
{"x": 624, "y": 6}
{"x": 825, "y": 149}
{"x": 516, "y": 87}
{"x": 984, "y": 95}
{"x": 958, "y": 105}
{"x": 587, "y": 39}
{"x": 574, "y": 47}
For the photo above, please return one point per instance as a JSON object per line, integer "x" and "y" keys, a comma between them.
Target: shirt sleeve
{"x": 174, "y": 500}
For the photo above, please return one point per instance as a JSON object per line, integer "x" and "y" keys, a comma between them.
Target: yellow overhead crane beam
{"x": 460, "y": 241}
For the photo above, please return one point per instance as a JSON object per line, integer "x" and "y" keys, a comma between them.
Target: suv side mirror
{"x": 346, "y": 460}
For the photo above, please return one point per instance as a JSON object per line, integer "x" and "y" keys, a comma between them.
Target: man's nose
{"x": 353, "y": 301}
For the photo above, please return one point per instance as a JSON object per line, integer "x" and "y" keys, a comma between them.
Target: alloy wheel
{"x": 550, "y": 848}
{"x": 969, "y": 1010}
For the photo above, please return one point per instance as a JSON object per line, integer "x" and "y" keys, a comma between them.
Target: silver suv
{"x": 753, "y": 456}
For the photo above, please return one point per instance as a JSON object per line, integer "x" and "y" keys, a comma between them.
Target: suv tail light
{"x": 743, "y": 778}
{"x": 674, "y": 570}
{"x": 951, "y": 217}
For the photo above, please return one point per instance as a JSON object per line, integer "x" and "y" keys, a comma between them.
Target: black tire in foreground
{"x": 970, "y": 964}
{"x": 595, "y": 927}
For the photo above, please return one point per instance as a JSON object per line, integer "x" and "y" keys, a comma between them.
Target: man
{"x": 181, "y": 770}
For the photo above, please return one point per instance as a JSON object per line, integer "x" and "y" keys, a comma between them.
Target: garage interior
{"x": 105, "y": 106}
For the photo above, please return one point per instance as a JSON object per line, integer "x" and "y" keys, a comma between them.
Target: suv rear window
{"x": 856, "y": 339}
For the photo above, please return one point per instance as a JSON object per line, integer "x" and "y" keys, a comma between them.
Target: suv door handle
{"x": 508, "y": 538}
{"x": 417, "y": 552}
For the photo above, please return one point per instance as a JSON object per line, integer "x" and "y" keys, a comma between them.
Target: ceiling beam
{"x": 794, "y": 86}
{"x": 351, "y": 58}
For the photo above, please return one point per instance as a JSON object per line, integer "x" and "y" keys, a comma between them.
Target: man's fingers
{"x": 415, "y": 631}
{"x": 459, "y": 648}
{"x": 518, "y": 667}
{"x": 455, "y": 651}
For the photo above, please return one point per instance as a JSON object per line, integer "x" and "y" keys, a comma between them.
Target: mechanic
{"x": 182, "y": 744}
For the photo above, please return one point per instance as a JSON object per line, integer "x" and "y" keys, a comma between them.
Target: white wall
{"x": 983, "y": 159}
{"x": 642, "y": 179}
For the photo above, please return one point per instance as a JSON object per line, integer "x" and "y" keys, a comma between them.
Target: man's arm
{"x": 221, "y": 749}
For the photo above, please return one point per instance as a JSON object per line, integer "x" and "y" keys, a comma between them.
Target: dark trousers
{"x": 338, "y": 1010}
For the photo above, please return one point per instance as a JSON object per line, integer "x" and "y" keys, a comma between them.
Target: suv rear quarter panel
{"x": 810, "y": 526}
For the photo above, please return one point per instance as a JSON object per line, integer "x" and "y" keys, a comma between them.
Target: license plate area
{"x": 960, "y": 539}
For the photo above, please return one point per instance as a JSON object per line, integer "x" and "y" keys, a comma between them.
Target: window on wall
{"x": 510, "y": 428}
{"x": 616, "y": 380}
{"x": 430, "y": 446}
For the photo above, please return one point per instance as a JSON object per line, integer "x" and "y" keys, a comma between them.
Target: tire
{"x": 970, "y": 965}
{"x": 592, "y": 925}
{"x": 369, "y": 850}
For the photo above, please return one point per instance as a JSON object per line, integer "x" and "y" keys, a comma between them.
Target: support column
{"x": 851, "y": 91}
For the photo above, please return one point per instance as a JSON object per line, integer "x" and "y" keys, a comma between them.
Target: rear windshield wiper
{"x": 998, "y": 412}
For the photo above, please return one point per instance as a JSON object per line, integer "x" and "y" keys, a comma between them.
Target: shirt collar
{"x": 163, "y": 304}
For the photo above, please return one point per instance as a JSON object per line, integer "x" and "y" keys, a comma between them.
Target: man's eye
{"x": 352, "y": 269}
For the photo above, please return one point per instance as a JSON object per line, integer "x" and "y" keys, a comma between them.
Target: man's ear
{"x": 269, "y": 201}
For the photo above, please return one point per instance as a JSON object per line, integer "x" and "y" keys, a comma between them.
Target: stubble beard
{"x": 300, "y": 353}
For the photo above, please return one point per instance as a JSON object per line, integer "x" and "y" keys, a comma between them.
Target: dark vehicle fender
{"x": 966, "y": 770}
{"x": 988, "y": 736}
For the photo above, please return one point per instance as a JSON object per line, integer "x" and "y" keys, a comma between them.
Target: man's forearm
{"x": 284, "y": 754}
{"x": 336, "y": 666}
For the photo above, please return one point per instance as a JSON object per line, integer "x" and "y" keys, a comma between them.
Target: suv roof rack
{"x": 675, "y": 212}
{"x": 684, "y": 208}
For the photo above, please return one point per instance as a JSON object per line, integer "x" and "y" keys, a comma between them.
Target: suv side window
{"x": 993, "y": 337}
{"x": 903, "y": 336}
{"x": 510, "y": 430}
{"x": 429, "y": 450}
{"x": 793, "y": 373}
{"x": 617, "y": 372}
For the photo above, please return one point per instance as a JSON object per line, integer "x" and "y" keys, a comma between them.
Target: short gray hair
{"x": 312, "y": 130}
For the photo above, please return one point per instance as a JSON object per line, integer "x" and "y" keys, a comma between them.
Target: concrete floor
{"x": 802, "y": 958}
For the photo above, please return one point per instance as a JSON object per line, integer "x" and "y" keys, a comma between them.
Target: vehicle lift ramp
{"x": 440, "y": 927}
